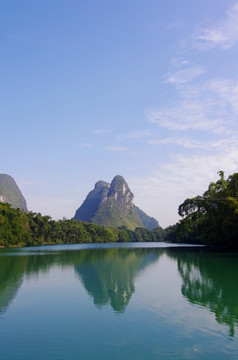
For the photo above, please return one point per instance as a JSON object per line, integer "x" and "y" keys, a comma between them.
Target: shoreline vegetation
{"x": 210, "y": 219}
{"x": 18, "y": 228}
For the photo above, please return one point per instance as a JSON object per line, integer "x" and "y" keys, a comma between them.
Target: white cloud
{"x": 210, "y": 107}
{"x": 210, "y": 110}
{"x": 180, "y": 141}
{"x": 223, "y": 35}
{"x": 227, "y": 90}
{"x": 161, "y": 193}
{"x": 185, "y": 75}
{"x": 187, "y": 115}
{"x": 179, "y": 62}
{"x": 190, "y": 143}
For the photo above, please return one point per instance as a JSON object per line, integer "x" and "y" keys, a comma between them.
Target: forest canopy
{"x": 19, "y": 228}
{"x": 212, "y": 218}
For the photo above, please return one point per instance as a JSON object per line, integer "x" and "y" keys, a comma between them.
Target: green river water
{"x": 120, "y": 302}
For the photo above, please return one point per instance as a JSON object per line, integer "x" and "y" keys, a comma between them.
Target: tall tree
{"x": 213, "y": 217}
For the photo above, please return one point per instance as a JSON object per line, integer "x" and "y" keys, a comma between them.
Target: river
{"x": 137, "y": 301}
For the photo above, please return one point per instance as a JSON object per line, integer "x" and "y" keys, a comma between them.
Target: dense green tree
{"x": 213, "y": 217}
{"x": 159, "y": 233}
{"x": 125, "y": 235}
{"x": 171, "y": 233}
{"x": 143, "y": 234}
{"x": 14, "y": 226}
{"x": 18, "y": 228}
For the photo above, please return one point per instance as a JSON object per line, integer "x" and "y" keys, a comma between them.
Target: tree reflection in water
{"x": 210, "y": 280}
{"x": 108, "y": 275}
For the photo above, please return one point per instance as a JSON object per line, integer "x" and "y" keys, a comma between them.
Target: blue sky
{"x": 145, "y": 89}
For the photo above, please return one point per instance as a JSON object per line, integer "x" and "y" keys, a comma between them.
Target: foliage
{"x": 18, "y": 228}
{"x": 14, "y": 226}
{"x": 213, "y": 217}
{"x": 114, "y": 213}
{"x": 171, "y": 233}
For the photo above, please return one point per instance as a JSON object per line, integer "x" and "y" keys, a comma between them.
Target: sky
{"x": 145, "y": 89}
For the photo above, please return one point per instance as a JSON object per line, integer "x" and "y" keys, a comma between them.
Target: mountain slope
{"x": 10, "y": 192}
{"x": 148, "y": 222}
{"x": 112, "y": 205}
{"x": 92, "y": 202}
{"x": 118, "y": 209}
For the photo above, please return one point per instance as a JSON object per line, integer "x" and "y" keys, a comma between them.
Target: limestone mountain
{"x": 90, "y": 206}
{"x": 148, "y": 222}
{"x": 10, "y": 192}
{"x": 112, "y": 205}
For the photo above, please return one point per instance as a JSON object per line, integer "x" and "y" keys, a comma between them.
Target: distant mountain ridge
{"x": 10, "y": 192}
{"x": 112, "y": 205}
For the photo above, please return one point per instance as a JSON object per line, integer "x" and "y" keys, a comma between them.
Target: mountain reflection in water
{"x": 108, "y": 275}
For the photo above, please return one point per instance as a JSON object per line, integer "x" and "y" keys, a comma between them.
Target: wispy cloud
{"x": 223, "y": 34}
{"x": 199, "y": 127}
{"x": 116, "y": 148}
{"x": 101, "y": 131}
{"x": 139, "y": 134}
{"x": 178, "y": 62}
{"x": 226, "y": 89}
{"x": 185, "y": 75}
{"x": 187, "y": 115}
{"x": 86, "y": 145}
{"x": 190, "y": 143}
{"x": 183, "y": 176}
{"x": 208, "y": 107}
{"x": 180, "y": 141}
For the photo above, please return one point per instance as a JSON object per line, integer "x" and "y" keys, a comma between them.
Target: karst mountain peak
{"x": 112, "y": 205}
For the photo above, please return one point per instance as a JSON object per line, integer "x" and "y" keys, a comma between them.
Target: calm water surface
{"x": 130, "y": 301}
